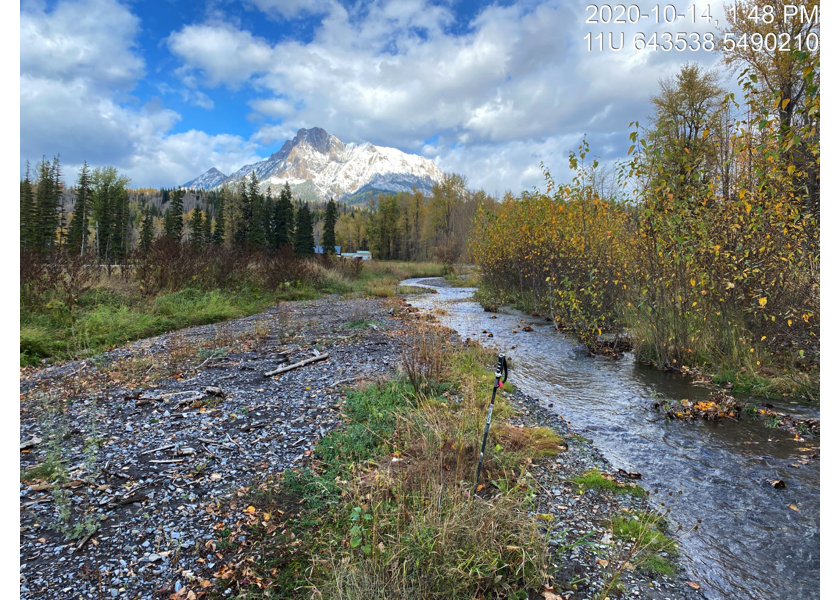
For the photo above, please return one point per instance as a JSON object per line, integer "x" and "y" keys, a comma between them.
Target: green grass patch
{"x": 95, "y": 327}
{"x": 385, "y": 511}
{"x": 645, "y": 531}
{"x": 595, "y": 480}
{"x": 415, "y": 289}
{"x": 468, "y": 278}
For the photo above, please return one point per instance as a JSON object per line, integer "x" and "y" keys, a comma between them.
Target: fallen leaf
{"x": 693, "y": 585}
{"x": 793, "y": 507}
{"x": 603, "y": 562}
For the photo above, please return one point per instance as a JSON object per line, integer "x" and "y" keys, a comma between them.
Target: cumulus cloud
{"x": 512, "y": 86}
{"x": 78, "y": 65}
{"x": 90, "y": 40}
{"x": 515, "y": 78}
{"x": 225, "y": 54}
{"x": 291, "y": 8}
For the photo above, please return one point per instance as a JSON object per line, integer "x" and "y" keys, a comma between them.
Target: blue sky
{"x": 164, "y": 90}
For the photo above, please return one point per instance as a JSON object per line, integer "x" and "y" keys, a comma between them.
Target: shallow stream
{"x": 751, "y": 543}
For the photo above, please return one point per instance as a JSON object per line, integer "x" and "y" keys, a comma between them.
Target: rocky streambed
{"x": 155, "y": 442}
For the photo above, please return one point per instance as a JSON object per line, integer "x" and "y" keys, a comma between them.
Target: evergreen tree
{"x": 28, "y": 215}
{"x": 330, "y": 218}
{"x": 46, "y": 205}
{"x": 304, "y": 235}
{"x": 173, "y": 220}
{"x": 219, "y": 231}
{"x": 206, "y": 230}
{"x": 77, "y": 239}
{"x": 147, "y": 231}
{"x": 267, "y": 219}
{"x": 284, "y": 216}
{"x": 242, "y": 221}
{"x": 197, "y": 227}
{"x": 110, "y": 213}
{"x": 256, "y": 231}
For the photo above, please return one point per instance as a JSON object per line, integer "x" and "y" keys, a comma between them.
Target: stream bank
{"x": 756, "y": 541}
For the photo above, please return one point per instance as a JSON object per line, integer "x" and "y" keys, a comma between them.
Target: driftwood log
{"x": 306, "y": 361}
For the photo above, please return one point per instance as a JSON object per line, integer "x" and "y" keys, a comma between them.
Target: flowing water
{"x": 751, "y": 543}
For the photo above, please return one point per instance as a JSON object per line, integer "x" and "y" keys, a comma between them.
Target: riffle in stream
{"x": 751, "y": 543}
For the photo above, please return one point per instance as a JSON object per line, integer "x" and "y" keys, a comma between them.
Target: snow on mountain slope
{"x": 317, "y": 159}
{"x": 205, "y": 181}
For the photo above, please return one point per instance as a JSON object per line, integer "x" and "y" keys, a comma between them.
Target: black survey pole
{"x": 501, "y": 378}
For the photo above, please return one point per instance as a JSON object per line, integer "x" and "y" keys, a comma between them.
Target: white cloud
{"x": 290, "y": 9}
{"x": 197, "y": 98}
{"x": 90, "y": 40}
{"x": 273, "y": 107}
{"x": 518, "y": 80}
{"x": 179, "y": 157}
{"x": 499, "y": 93}
{"x": 78, "y": 62}
{"x": 225, "y": 54}
{"x": 269, "y": 135}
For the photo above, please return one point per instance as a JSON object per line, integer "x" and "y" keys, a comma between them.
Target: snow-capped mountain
{"x": 205, "y": 181}
{"x": 318, "y": 165}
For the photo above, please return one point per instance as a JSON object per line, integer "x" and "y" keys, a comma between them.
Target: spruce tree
{"x": 304, "y": 235}
{"x": 196, "y": 226}
{"x": 219, "y": 231}
{"x": 173, "y": 220}
{"x": 284, "y": 216}
{"x": 267, "y": 217}
{"x": 77, "y": 239}
{"x": 28, "y": 215}
{"x": 46, "y": 207}
{"x": 256, "y": 231}
{"x": 110, "y": 213}
{"x": 147, "y": 231}
{"x": 328, "y": 239}
{"x": 206, "y": 230}
{"x": 242, "y": 221}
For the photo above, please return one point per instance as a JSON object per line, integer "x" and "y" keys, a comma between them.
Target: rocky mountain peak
{"x": 318, "y": 165}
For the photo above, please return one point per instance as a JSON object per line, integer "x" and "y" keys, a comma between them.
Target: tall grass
{"x": 71, "y": 308}
{"x": 386, "y": 511}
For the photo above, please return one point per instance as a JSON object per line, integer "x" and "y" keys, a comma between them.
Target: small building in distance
{"x": 361, "y": 254}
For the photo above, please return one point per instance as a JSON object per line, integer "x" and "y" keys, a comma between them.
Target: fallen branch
{"x": 136, "y": 497}
{"x": 342, "y": 381}
{"x": 85, "y": 539}
{"x": 234, "y": 441}
{"x": 302, "y": 363}
{"x": 167, "y": 447}
{"x": 252, "y": 426}
{"x": 167, "y": 395}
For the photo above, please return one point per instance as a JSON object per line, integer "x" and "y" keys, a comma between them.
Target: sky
{"x": 164, "y": 90}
